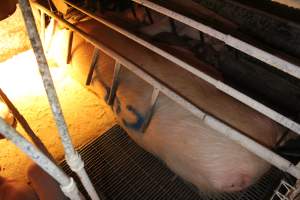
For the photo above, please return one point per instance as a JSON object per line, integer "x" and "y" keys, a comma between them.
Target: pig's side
{"x": 194, "y": 151}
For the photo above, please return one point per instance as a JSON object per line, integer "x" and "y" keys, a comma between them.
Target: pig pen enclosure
{"x": 183, "y": 79}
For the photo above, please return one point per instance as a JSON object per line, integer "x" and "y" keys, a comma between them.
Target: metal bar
{"x": 151, "y": 110}
{"x": 36, "y": 140}
{"x": 201, "y": 37}
{"x": 149, "y": 15}
{"x": 69, "y": 48}
{"x": 66, "y": 183}
{"x": 254, "y": 147}
{"x": 173, "y": 26}
{"x": 50, "y": 32}
{"x": 73, "y": 159}
{"x": 249, "y": 49}
{"x": 132, "y": 8}
{"x": 46, "y": 76}
{"x": 279, "y": 118}
{"x": 93, "y": 66}
{"x": 43, "y": 25}
{"x": 115, "y": 83}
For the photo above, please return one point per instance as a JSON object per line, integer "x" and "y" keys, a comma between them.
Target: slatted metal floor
{"x": 121, "y": 170}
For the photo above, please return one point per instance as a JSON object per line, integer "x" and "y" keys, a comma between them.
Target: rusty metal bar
{"x": 115, "y": 83}
{"x": 72, "y": 157}
{"x": 69, "y": 47}
{"x": 151, "y": 109}
{"x": 93, "y": 66}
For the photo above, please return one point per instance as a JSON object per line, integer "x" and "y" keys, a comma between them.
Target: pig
{"x": 191, "y": 149}
{"x": 44, "y": 185}
{"x": 13, "y": 190}
{"x": 194, "y": 151}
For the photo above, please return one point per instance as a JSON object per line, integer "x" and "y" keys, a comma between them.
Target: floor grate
{"x": 121, "y": 170}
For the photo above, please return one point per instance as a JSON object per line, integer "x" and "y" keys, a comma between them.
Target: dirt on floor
{"x": 13, "y": 37}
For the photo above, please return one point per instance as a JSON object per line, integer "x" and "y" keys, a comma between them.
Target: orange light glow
{"x": 20, "y": 77}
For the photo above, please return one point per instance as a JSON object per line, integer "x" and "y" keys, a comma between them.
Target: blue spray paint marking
{"x": 139, "y": 119}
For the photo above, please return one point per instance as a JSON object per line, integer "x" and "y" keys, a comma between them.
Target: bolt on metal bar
{"x": 222, "y": 128}
{"x": 272, "y": 114}
{"x": 115, "y": 83}
{"x": 93, "y": 66}
{"x": 72, "y": 157}
{"x": 66, "y": 183}
{"x": 151, "y": 109}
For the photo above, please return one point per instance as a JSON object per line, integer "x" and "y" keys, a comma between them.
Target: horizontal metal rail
{"x": 236, "y": 43}
{"x": 272, "y": 114}
{"x": 212, "y": 122}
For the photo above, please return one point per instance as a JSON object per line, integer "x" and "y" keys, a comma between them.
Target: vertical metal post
{"x": 132, "y": 8}
{"x": 151, "y": 110}
{"x": 173, "y": 26}
{"x": 69, "y": 47}
{"x": 67, "y": 184}
{"x": 93, "y": 66}
{"x": 43, "y": 26}
{"x": 201, "y": 37}
{"x": 149, "y": 15}
{"x": 72, "y": 157}
{"x": 114, "y": 85}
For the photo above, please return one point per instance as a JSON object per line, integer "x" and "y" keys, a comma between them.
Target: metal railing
{"x": 211, "y": 121}
{"x": 272, "y": 114}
